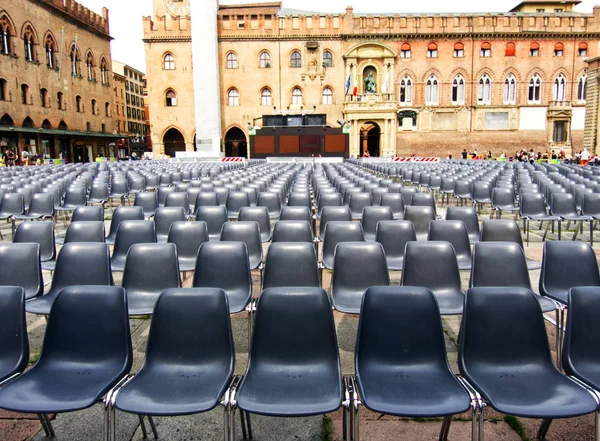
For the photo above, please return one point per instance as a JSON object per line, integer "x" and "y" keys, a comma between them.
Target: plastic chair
{"x": 272, "y": 202}
{"x": 77, "y": 264}
{"x": 164, "y": 218}
{"x": 41, "y": 206}
{"x": 292, "y": 231}
{"x": 261, "y": 216}
{"x": 98, "y": 194}
{"x": 206, "y": 199}
{"x": 371, "y": 217}
{"x": 401, "y": 363}
{"x": 296, "y": 370}
{"x": 162, "y": 194}
{"x": 41, "y": 233}
{"x": 11, "y": 205}
{"x": 420, "y": 217}
{"x": 503, "y": 199}
{"x": 88, "y": 213}
{"x": 122, "y": 214}
{"x": 175, "y": 380}
{"x": 223, "y": 193}
{"x": 235, "y": 201}
{"x": 333, "y": 214}
{"x": 85, "y": 231}
{"x": 481, "y": 194}
{"x": 455, "y": 232}
{"x": 377, "y": 193}
{"x": 393, "y": 236}
{"x": 150, "y": 268}
{"x": 328, "y": 200}
{"x": 20, "y": 266}
{"x": 299, "y": 199}
{"x": 336, "y": 232}
{"x": 215, "y": 218}
{"x": 291, "y": 264}
{"x": 356, "y": 267}
{"x": 119, "y": 189}
{"x": 225, "y": 265}
{"x": 130, "y": 232}
{"x": 396, "y": 202}
{"x": 86, "y": 352}
{"x": 14, "y": 355}
{"x": 469, "y": 216}
{"x": 533, "y": 207}
{"x": 188, "y": 237}
{"x": 424, "y": 200}
{"x": 504, "y": 230}
{"x": 504, "y": 354}
{"x": 563, "y": 206}
{"x": 148, "y": 201}
{"x": 178, "y": 199}
{"x": 433, "y": 265}
{"x": 249, "y": 233}
{"x": 358, "y": 201}
{"x": 74, "y": 197}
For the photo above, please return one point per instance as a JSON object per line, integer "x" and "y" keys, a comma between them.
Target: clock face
{"x": 178, "y": 7}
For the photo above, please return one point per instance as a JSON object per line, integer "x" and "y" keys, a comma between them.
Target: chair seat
{"x": 473, "y": 237}
{"x": 532, "y": 265}
{"x": 30, "y": 216}
{"x": 576, "y": 217}
{"x": 395, "y": 263}
{"x": 141, "y": 303}
{"x": 464, "y": 263}
{"x": 51, "y": 390}
{"x": 187, "y": 263}
{"x": 67, "y": 207}
{"x": 117, "y": 263}
{"x": 49, "y": 265}
{"x": 369, "y": 236}
{"x": 42, "y": 304}
{"x": 532, "y": 392}
{"x": 348, "y": 301}
{"x": 559, "y": 295}
{"x": 450, "y": 303}
{"x": 542, "y": 217}
{"x": 506, "y": 208}
{"x": 546, "y": 304}
{"x": 180, "y": 391}
{"x": 412, "y": 392}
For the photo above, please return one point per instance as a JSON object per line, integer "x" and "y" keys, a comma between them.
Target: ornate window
{"x": 266, "y": 97}
{"x": 297, "y": 96}
{"x": 459, "y": 50}
{"x": 458, "y": 90}
{"x": 432, "y": 50}
{"x": 432, "y": 89}
{"x": 405, "y": 50}
{"x": 510, "y": 89}
{"x": 169, "y": 62}
{"x": 6, "y": 34}
{"x": 582, "y": 89}
{"x": 90, "y": 67}
{"x": 233, "y": 97}
{"x": 559, "y": 49}
{"x": 296, "y": 60}
{"x": 50, "y": 46}
{"x": 327, "y": 59}
{"x": 406, "y": 90}
{"x": 75, "y": 59}
{"x": 44, "y": 97}
{"x": 104, "y": 71}
{"x": 534, "y": 94}
{"x": 264, "y": 60}
{"x": 170, "y": 98}
{"x": 29, "y": 43}
{"x": 560, "y": 88}
{"x": 511, "y": 49}
{"x": 231, "y": 61}
{"x": 327, "y": 96}
{"x": 486, "y": 50}
{"x": 484, "y": 90}
{"x": 534, "y": 49}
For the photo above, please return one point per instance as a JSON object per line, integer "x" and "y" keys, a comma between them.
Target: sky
{"x": 125, "y": 17}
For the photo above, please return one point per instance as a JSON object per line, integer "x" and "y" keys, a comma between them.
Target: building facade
{"x": 427, "y": 84}
{"x": 56, "y": 97}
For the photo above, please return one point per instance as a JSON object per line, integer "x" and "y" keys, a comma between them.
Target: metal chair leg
{"x": 44, "y": 426}
{"x": 152, "y": 426}
{"x": 543, "y": 431}
{"x": 597, "y": 428}
{"x": 143, "y": 426}
{"x": 443, "y": 436}
{"x": 243, "y": 424}
{"x": 249, "y": 425}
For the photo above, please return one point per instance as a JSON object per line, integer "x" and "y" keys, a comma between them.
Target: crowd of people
{"x": 10, "y": 158}
{"x": 582, "y": 157}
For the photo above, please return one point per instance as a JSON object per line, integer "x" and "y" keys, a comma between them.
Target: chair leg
{"x": 249, "y": 425}
{"x": 44, "y": 426}
{"x": 480, "y": 423}
{"x": 243, "y": 424}
{"x": 226, "y": 428}
{"x": 559, "y": 228}
{"x": 152, "y": 426}
{"x": 543, "y": 431}
{"x": 546, "y": 231}
{"x": 591, "y": 233}
{"x": 445, "y": 428}
{"x": 143, "y": 426}
{"x": 577, "y": 225}
{"x": 597, "y": 428}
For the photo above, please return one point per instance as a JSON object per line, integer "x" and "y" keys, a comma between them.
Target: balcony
{"x": 385, "y": 102}
{"x": 560, "y": 109}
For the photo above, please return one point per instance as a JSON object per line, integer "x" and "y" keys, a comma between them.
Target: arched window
{"x": 266, "y": 97}
{"x": 559, "y": 49}
{"x": 94, "y": 109}
{"x": 264, "y": 60}
{"x": 6, "y": 34}
{"x": 297, "y": 96}
{"x": 560, "y": 88}
{"x": 582, "y": 51}
{"x": 107, "y": 108}
{"x": 3, "y": 90}
{"x": 327, "y": 59}
{"x": 327, "y": 96}
{"x": 59, "y": 101}
{"x": 458, "y": 90}
{"x": 50, "y": 46}
{"x": 459, "y": 50}
{"x": 510, "y": 89}
{"x": 432, "y": 88}
{"x": 231, "y": 61}
{"x": 405, "y": 50}
{"x": 170, "y": 98}
{"x": 534, "y": 49}
{"x": 511, "y": 49}
{"x": 44, "y": 96}
{"x": 534, "y": 94}
{"x": 104, "y": 70}
{"x": 484, "y": 90}
{"x": 169, "y": 62}
{"x": 432, "y": 50}
{"x": 296, "y": 60}
{"x": 89, "y": 62}
{"x": 406, "y": 90}
{"x": 486, "y": 50}
{"x": 78, "y": 104}
{"x": 582, "y": 89}
{"x": 233, "y": 97}
{"x": 29, "y": 43}
{"x": 24, "y": 94}
{"x": 75, "y": 59}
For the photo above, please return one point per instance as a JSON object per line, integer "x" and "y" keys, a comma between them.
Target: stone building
{"x": 428, "y": 84}
{"x": 56, "y": 97}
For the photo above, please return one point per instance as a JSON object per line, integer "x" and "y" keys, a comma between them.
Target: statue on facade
{"x": 370, "y": 84}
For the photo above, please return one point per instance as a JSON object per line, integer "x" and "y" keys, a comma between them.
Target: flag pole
{"x": 74, "y": 67}
{"x": 62, "y": 41}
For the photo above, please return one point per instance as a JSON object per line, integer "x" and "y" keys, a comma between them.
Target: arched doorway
{"x": 28, "y": 122}
{"x": 370, "y": 135}
{"x": 235, "y": 143}
{"x": 173, "y": 142}
{"x": 6, "y": 120}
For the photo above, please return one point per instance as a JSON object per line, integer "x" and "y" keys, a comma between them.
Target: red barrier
{"x": 410, "y": 159}
{"x": 232, "y": 159}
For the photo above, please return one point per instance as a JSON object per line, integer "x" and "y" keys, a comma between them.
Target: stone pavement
{"x": 87, "y": 425}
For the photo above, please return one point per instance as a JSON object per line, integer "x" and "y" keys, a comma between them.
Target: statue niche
{"x": 370, "y": 86}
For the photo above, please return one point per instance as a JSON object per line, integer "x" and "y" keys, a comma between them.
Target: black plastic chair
{"x": 41, "y": 233}
{"x": 150, "y": 268}
{"x": 259, "y": 215}
{"x": 164, "y": 218}
{"x": 591, "y": 207}
{"x": 433, "y": 265}
{"x": 469, "y": 216}
{"x": 122, "y": 214}
{"x": 328, "y": 200}
{"x": 77, "y": 264}
{"x": 41, "y": 207}
{"x": 291, "y": 264}
{"x": 88, "y": 213}
{"x": 14, "y": 354}
{"x": 299, "y": 199}
{"x": 74, "y": 197}
{"x": 98, "y": 194}
{"x": 504, "y": 230}
{"x": 215, "y": 218}
{"x": 330, "y": 213}
{"x": 424, "y": 200}
{"x": 187, "y": 237}
{"x": 20, "y": 266}
{"x": 396, "y": 202}
{"x": 119, "y": 189}
{"x": 358, "y": 201}
{"x": 178, "y": 199}
{"x": 129, "y": 233}
{"x": 206, "y": 199}
{"x": 504, "y": 354}
{"x": 393, "y": 236}
{"x": 223, "y": 193}
{"x": 296, "y": 370}
{"x": 336, "y": 232}
{"x": 272, "y": 202}
{"x": 249, "y": 233}
{"x": 11, "y": 205}
{"x": 371, "y": 217}
{"x": 176, "y": 379}
{"x": 292, "y": 231}
{"x": 85, "y": 231}
{"x": 225, "y": 265}
{"x": 455, "y": 232}
{"x": 503, "y": 264}
{"x": 235, "y": 201}
{"x": 533, "y": 208}
{"x": 148, "y": 201}
{"x": 86, "y": 352}
{"x": 356, "y": 267}
{"x": 400, "y": 358}
{"x": 407, "y": 194}
{"x": 420, "y": 216}
{"x": 162, "y": 194}
{"x": 481, "y": 194}
{"x": 503, "y": 199}
{"x": 563, "y": 206}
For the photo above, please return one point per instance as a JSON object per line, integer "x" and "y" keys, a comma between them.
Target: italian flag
{"x": 355, "y": 90}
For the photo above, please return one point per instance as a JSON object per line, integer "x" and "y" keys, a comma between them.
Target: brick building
{"x": 429, "y": 84}
{"x": 55, "y": 80}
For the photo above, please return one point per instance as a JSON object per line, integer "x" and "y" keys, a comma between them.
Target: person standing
{"x": 25, "y": 157}
{"x": 585, "y": 157}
